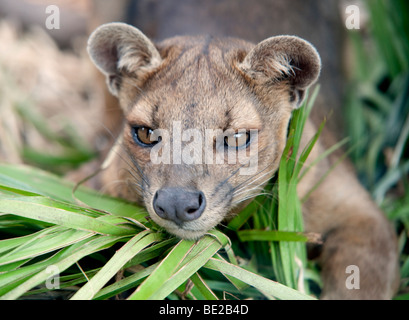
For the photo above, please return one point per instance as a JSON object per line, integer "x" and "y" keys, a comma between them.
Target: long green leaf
{"x": 182, "y": 262}
{"x": 264, "y": 285}
{"x": 127, "y": 252}
{"x": 164, "y": 270}
{"x": 125, "y": 284}
{"x": 61, "y": 263}
{"x": 43, "y": 183}
{"x": 59, "y": 213}
{"x": 204, "y": 289}
{"x": 196, "y": 260}
{"x": 43, "y": 243}
{"x": 271, "y": 235}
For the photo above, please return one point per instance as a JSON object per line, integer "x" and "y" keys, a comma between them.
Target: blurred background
{"x": 52, "y": 101}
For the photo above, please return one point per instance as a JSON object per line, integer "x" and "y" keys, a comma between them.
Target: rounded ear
{"x": 284, "y": 58}
{"x": 116, "y": 47}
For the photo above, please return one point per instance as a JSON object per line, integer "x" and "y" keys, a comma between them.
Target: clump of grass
{"x": 91, "y": 238}
{"x": 377, "y": 114}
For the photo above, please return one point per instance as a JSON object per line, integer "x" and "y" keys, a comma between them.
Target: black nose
{"x": 179, "y": 205}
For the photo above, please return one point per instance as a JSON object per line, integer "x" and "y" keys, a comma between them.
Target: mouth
{"x": 188, "y": 234}
{"x": 192, "y": 230}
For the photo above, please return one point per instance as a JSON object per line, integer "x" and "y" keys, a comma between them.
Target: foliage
{"x": 377, "y": 113}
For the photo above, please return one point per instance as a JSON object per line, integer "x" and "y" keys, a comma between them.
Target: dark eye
{"x": 238, "y": 140}
{"x": 145, "y": 136}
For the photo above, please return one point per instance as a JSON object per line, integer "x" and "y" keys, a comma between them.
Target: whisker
{"x": 249, "y": 191}
{"x": 226, "y": 180}
{"x": 252, "y": 181}
{"x": 139, "y": 170}
{"x": 239, "y": 201}
{"x": 131, "y": 172}
{"x": 106, "y": 186}
{"x": 131, "y": 185}
{"x": 136, "y": 183}
{"x": 252, "y": 184}
{"x": 258, "y": 187}
{"x": 131, "y": 165}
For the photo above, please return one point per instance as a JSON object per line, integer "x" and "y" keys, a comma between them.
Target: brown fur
{"x": 209, "y": 83}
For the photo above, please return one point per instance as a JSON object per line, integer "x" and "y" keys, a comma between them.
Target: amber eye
{"x": 145, "y": 136}
{"x": 237, "y": 140}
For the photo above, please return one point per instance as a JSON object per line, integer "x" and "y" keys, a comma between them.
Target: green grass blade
{"x": 164, "y": 270}
{"x": 122, "y": 256}
{"x": 192, "y": 263}
{"x": 264, "y": 285}
{"x": 59, "y": 213}
{"x": 203, "y": 288}
{"x": 125, "y": 284}
{"x": 271, "y": 235}
{"x": 46, "y": 184}
{"x": 241, "y": 219}
{"x": 183, "y": 261}
{"x": 62, "y": 261}
{"x": 42, "y": 243}
{"x": 10, "y": 244}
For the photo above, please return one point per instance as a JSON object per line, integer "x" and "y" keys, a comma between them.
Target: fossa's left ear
{"x": 287, "y": 59}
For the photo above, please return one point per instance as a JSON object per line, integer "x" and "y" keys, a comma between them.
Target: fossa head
{"x": 205, "y": 119}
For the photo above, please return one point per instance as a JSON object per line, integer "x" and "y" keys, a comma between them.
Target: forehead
{"x": 197, "y": 85}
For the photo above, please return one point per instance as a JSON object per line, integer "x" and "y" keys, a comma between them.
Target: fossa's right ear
{"x": 118, "y": 47}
